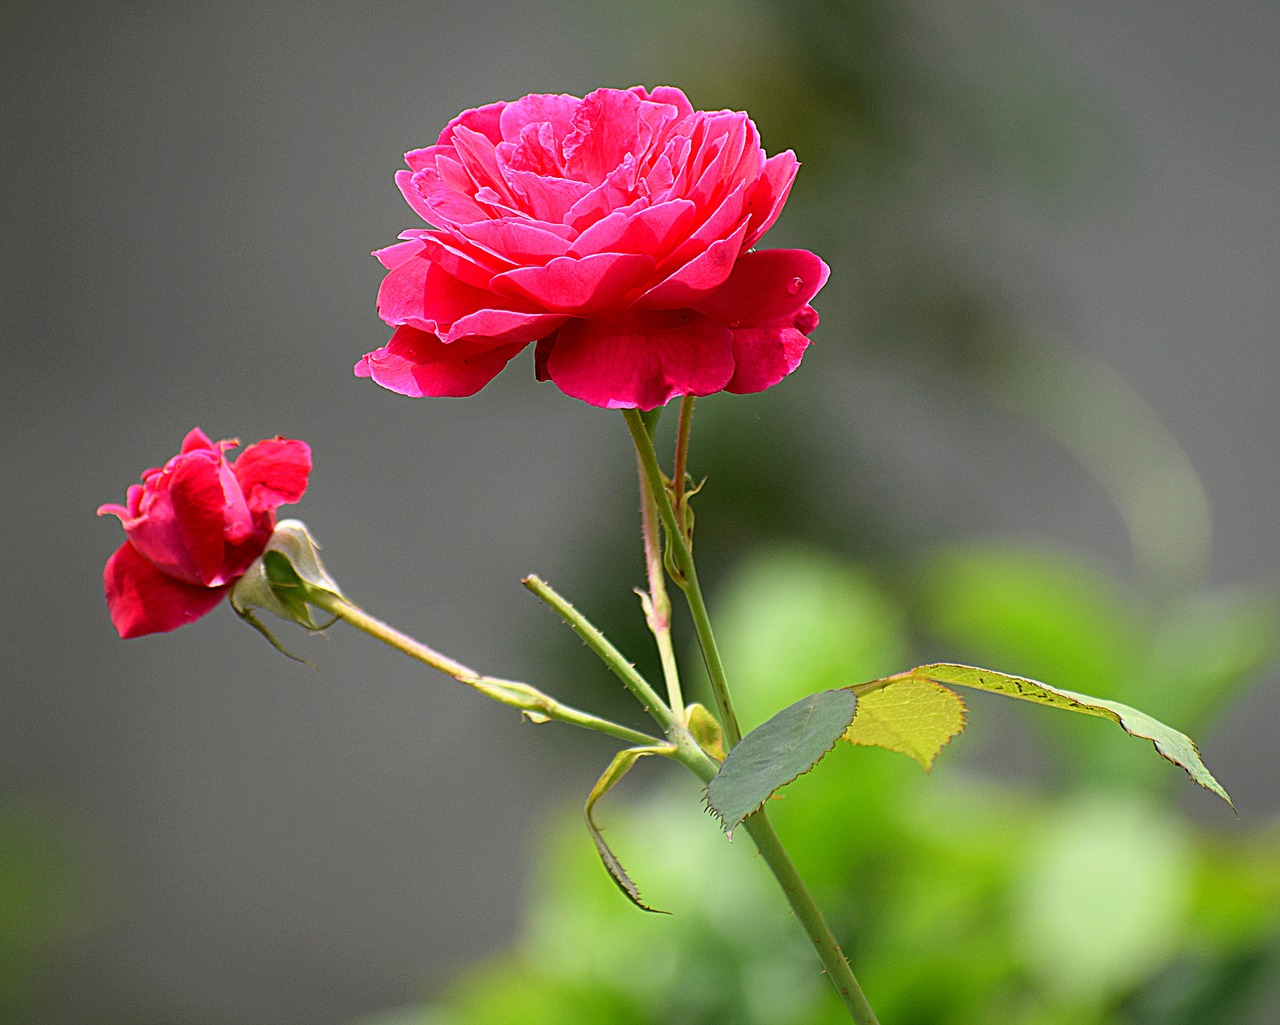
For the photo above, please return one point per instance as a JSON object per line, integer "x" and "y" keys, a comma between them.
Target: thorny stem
{"x": 658, "y": 606}
{"x": 680, "y": 470}
{"x": 530, "y": 700}
{"x": 688, "y": 579}
{"x": 604, "y": 650}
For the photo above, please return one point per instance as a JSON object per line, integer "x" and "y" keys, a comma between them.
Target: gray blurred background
{"x": 191, "y": 194}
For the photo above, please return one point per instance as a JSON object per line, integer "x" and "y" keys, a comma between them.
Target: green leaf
{"x": 772, "y": 755}
{"x": 1173, "y": 746}
{"x": 913, "y": 717}
{"x": 618, "y": 768}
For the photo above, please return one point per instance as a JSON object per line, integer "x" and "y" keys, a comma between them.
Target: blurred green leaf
{"x": 1103, "y": 894}
{"x": 1053, "y": 615}
{"x": 772, "y": 755}
{"x": 914, "y": 717}
{"x": 793, "y": 621}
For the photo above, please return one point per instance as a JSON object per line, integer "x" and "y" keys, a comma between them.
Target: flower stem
{"x": 758, "y": 826}
{"x": 688, "y": 579}
{"x": 533, "y": 702}
{"x": 767, "y": 842}
{"x": 805, "y": 908}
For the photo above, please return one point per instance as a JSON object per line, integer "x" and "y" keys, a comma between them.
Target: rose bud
{"x": 194, "y": 526}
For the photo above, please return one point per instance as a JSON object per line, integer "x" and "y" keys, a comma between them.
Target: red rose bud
{"x": 194, "y": 527}
{"x": 613, "y": 230}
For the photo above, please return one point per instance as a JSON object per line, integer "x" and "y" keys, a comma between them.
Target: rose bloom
{"x": 194, "y": 526}
{"x": 613, "y": 230}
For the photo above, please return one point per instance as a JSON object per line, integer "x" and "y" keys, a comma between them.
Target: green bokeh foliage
{"x": 1076, "y": 893}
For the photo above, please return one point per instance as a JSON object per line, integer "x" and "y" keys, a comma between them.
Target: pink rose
{"x": 613, "y": 230}
{"x": 195, "y": 526}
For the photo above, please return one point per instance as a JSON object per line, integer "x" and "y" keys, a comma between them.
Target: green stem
{"x": 658, "y": 607}
{"x": 815, "y": 925}
{"x": 758, "y": 826}
{"x": 604, "y": 650}
{"x": 688, "y": 579}
{"x": 510, "y": 692}
{"x": 769, "y": 844}
{"x": 680, "y": 470}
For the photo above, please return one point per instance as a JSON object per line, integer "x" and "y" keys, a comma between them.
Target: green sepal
{"x": 619, "y": 767}
{"x": 706, "y": 730}
{"x": 281, "y": 579}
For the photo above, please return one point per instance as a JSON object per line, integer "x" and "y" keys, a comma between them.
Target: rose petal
{"x": 764, "y": 356}
{"x": 578, "y": 287}
{"x": 418, "y": 364}
{"x": 196, "y": 439}
{"x": 181, "y": 528}
{"x": 543, "y": 197}
{"x": 503, "y": 327}
{"x": 654, "y": 230}
{"x": 518, "y": 241}
{"x": 640, "y": 360}
{"x": 770, "y": 193}
{"x": 393, "y": 256}
{"x": 479, "y": 157}
{"x": 667, "y": 94}
{"x": 422, "y": 294}
{"x": 766, "y": 286}
{"x": 604, "y": 133}
{"x": 462, "y": 259}
{"x": 143, "y": 600}
{"x": 273, "y": 472}
{"x": 554, "y": 110}
{"x": 698, "y": 278}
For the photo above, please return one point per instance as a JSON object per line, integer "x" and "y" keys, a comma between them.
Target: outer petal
{"x": 666, "y": 94}
{"x": 196, "y": 439}
{"x": 765, "y": 203}
{"x": 418, "y": 364}
{"x": 422, "y": 294}
{"x": 401, "y": 252}
{"x": 641, "y": 360}
{"x": 763, "y": 356}
{"x": 502, "y": 327}
{"x": 766, "y": 286}
{"x": 142, "y": 600}
{"x": 273, "y": 472}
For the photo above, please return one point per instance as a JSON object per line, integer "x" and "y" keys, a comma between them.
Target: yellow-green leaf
{"x": 914, "y": 717}
{"x": 1173, "y": 746}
